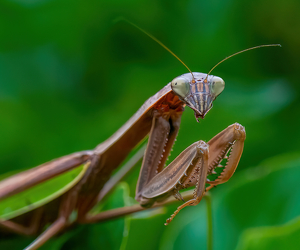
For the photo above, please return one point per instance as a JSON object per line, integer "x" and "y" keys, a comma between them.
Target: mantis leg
{"x": 161, "y": 139}
{"x": 67, "y": 213}
{"x": 227, "y": 144}
{"x": 199, "y": 173}
{"x": 123, "y": 211}
{"x": 29, "y": 178}
{"x": 25, "y": 230}
{"x": 46, "y": 171}
{"x": 57, "y": 226}
{"x": 229, "y": 141}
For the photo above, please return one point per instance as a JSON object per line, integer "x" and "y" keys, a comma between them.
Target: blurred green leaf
{"x": 145, "y": 223}
{"x": 40, "y": 194}
{"x": 286, "y": 236}
{"x": 109, "y": 235}
{"x": 258, "y": 102}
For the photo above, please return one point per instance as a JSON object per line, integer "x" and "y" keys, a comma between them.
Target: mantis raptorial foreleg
{"x": 229, "y": 144}
{"x": 193, "y": 165}
{"x": 161, "y": 139}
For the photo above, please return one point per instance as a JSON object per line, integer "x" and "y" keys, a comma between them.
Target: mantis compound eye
{"x": 217, "y": 85}
{"x": 181, "y": 86}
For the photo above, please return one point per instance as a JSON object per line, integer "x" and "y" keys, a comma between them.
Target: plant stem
{"x": 207, "y": 197}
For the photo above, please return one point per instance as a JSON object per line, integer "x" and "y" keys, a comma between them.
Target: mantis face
{"x": 198, "y": 92}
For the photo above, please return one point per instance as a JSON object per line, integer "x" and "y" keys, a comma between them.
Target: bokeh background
{"x": 70, "y": 77}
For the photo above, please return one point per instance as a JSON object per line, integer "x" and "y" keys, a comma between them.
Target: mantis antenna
{"x": 171, "y": 52}
{"x": 159, "y": 42}
{"x": 256, "y": 47}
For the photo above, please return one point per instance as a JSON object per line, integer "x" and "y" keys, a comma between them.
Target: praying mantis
{"x": 159, "y": 117}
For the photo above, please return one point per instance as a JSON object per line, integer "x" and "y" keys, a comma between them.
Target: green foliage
{"x": 40, "y": 194}
{"x": 276, "y": 237}
{"x": 111, "y": 234}
{"x": 70, "y": 77}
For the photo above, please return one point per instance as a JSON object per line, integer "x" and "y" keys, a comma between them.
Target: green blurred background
{"x": 70, "y": 77}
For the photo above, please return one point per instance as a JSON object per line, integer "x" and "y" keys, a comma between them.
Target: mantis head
{"x": 198, "y": 91}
